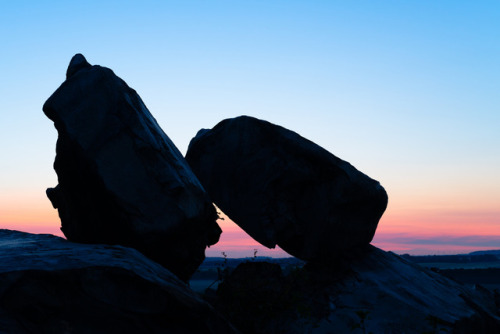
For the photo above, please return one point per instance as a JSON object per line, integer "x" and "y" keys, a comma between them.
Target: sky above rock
{"x": 405, "y": 91}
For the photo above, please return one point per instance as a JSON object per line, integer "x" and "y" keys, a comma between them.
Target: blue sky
{"x": 407, "y": 91}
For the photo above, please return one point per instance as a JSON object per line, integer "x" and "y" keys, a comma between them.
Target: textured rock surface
{"x": 369, "y": 292}
{"x": 284, "y": 190}
{"x": 121, "y": 179}
{"x": 50, "y": 285}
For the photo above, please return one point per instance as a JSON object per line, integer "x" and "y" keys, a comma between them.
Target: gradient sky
{"x": 406, "y": 91}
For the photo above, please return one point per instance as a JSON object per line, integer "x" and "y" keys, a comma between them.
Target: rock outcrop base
{"x": 370, "y": 291}
{"x": 50, "y": 285}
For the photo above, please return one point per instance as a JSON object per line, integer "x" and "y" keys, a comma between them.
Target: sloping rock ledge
{"x": 370, "y": 291}
{"x": 50, "y": 285}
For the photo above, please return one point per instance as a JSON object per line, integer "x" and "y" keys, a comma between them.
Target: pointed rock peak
{"x": 77, "y": 63}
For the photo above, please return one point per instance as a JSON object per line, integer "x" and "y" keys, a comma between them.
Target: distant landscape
{"x": 475, "y": 268}
{"x": 481, "y": 267}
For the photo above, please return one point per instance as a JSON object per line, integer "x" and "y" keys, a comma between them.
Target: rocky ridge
{"x": 369, "y": 291}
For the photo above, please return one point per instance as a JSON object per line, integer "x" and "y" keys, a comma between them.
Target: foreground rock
{"x": 121, "y": 179}
{"x": 49, "y": 285}
{"x": 284, "y": 190}
{"x": 369, "y": 292}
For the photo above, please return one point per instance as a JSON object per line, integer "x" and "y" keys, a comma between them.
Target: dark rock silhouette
{"x": 283, "y": 189}
{"x": 50, "y": 285}
{"x": 369, "y": 291}
{"x": 121, "y": 179}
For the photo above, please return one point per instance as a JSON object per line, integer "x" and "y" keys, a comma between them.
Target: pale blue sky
{"x": 407, "y": 91}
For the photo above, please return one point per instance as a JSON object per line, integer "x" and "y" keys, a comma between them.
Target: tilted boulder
{"x": 121, "y": 179}
{"x": 283, "y": 189}
{"x": 50, "y": 285}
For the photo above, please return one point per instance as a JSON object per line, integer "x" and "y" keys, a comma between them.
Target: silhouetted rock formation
{"x": 284, "y": 190}
{"x": 371, "y": 291}
{"x": 50, "y": 285}
{"x": 121, "y": 179}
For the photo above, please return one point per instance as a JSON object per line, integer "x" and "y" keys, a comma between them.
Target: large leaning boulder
{"x": 121, "y": 179}
{"x": 283, "y": 189}
{"x": 50, "y": 285}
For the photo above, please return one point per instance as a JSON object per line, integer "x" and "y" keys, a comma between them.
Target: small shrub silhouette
{"x": 222, "y": 272}
{"x": 436, "y": 325}
{"x": 363, "y": 316}
{"x": 258, "y": 298}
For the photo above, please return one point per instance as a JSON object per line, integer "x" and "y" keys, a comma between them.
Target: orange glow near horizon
{"x": 235, "y": 242}
{"x": 441, "y": 223}
{"x": 433, "y": 229}
{"x": 27, "y": 208}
